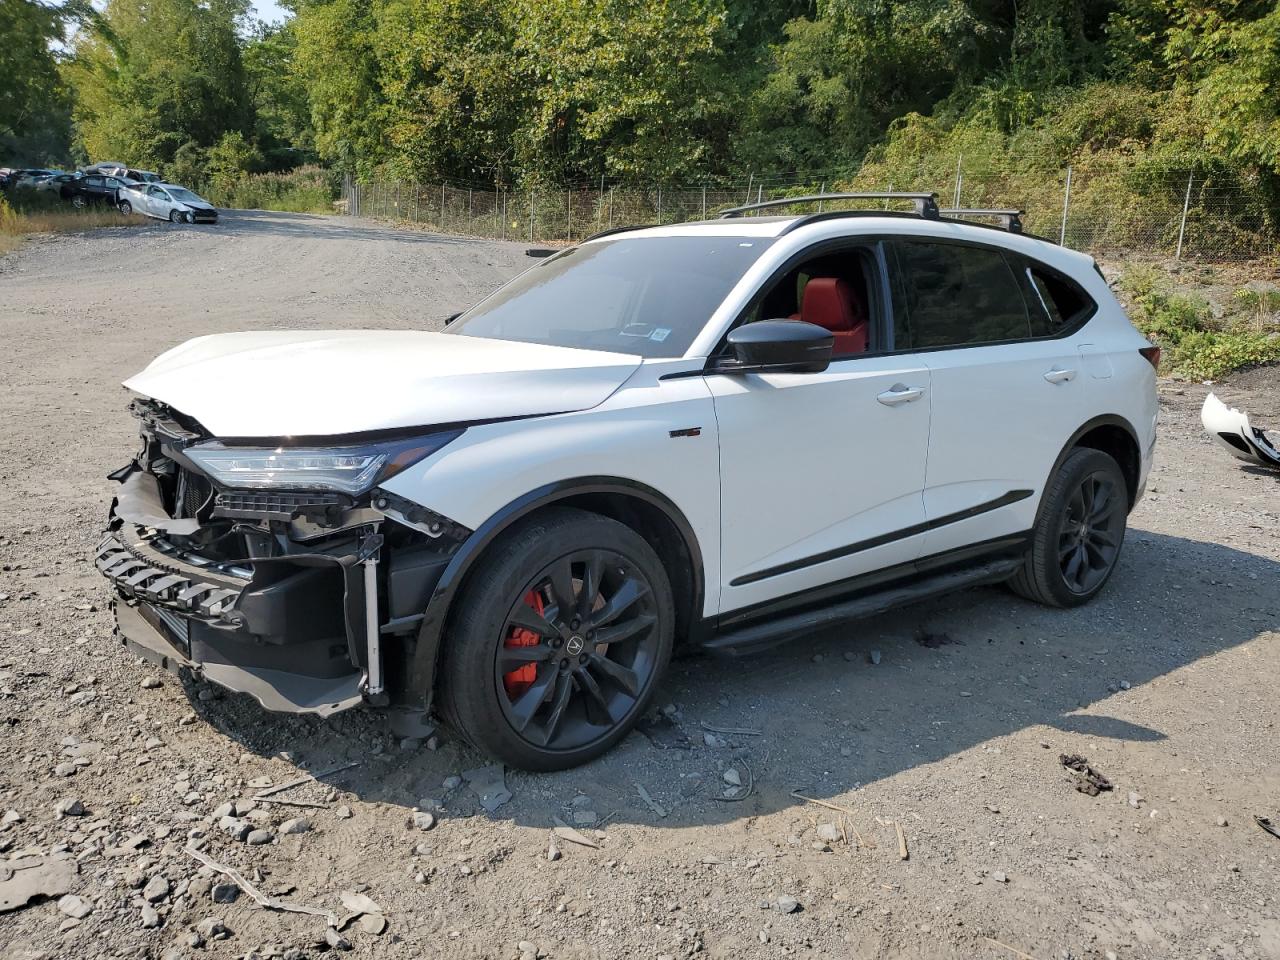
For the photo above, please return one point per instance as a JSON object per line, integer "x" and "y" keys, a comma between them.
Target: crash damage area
{"x": 309, "y": 601}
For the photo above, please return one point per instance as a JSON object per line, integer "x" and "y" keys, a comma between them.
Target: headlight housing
{"x": 340, "y": 469}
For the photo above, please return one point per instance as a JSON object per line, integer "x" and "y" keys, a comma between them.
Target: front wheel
{"x": 1078, "y": 534}
{"x": 561, "y": 638}
{"x": 175, "y": 216}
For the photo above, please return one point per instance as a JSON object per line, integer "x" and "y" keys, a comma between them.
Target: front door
{"x": 821, "y": 474}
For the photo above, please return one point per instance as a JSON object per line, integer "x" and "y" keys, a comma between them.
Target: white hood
{"x": 326, "y": 382}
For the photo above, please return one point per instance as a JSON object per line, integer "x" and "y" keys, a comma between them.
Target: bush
{"x": 43, "y": 213}
{"x": 307, "y": 189}
{"x": 1196, "y": 344}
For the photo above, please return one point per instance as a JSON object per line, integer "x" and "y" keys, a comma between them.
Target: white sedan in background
{"x": 166, "y": 201}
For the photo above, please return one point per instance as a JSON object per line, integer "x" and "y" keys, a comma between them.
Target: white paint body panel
{"x": 812, "y": 463}
{"x": 319, "y": 383}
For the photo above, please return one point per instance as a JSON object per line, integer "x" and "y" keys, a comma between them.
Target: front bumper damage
{"x": 308, "y": 602}
{"x": 1231, "y": 429}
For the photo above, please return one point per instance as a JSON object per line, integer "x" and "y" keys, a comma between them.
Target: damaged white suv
{"x": 715, "y": 436}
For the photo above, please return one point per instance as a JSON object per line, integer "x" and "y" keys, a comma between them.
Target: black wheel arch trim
{"x": 1106, "y": 420}
{"x": 426, "y": 656}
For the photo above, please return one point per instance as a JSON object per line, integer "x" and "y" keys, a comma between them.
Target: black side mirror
{"x": 790, "y": 346}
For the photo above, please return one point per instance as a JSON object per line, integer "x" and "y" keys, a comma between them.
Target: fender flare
{"x": 426, "y": 656}
{"x": 1106, "y": 420}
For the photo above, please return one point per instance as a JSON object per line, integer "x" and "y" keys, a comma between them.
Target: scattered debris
{"x": 838, "y": 809}
{"x": 999, "y": 876}
{"x": 1267, "y": 825}
{"x": 566, "y": 832}
{"x": 651, "y": 803}
{"x": 787, "y": 904}
{"x": 344, "y": 813}
{"x": 553, "y": 849}
{"x": 26, "y": 878}
{"x": 265, "y": 795}
{"x": 903, "y": 853}
{"x": 733, "y": 731}
{"x": 1135, "y": 799}
{"x": 1231, "y": 428}
{"x": 663, "y": 733}
{"x": 77, "y": 908}
{"x": 490, "y": 785}
{"x": 151, "y": 683}
{"x": 735, "y": 792}
{"x": 1088, "y": 780}
{"x": 261, "y": 899}
{"x": 935, "y": 640}
{"x": 423, "y": 820}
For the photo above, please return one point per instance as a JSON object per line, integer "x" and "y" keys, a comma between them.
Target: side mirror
{"x": 782, "y": 346}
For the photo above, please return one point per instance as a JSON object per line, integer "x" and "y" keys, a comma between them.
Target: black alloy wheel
{"x": 1092, "y": 527}
{"x": 558, "y": 642}
{"x": 1079, "y": 531}
{"x": 578, "y": 647}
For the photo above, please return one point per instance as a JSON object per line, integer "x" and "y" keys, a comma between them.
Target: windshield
{"x": 178, "y": 193}
{"x": 649, "y": 296}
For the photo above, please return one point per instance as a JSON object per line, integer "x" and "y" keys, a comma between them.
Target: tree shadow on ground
{"x": 829, "y": 718}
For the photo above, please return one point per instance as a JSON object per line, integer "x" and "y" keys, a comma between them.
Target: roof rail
{"x": 1010, "y": 220}
{"x": 926, "y": 204}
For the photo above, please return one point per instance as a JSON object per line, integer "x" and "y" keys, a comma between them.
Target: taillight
{"x": 1151, "y": 355}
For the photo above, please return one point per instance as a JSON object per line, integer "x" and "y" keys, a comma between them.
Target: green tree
{"x": 153, "y": 75}
{"x": 34, "y": 117}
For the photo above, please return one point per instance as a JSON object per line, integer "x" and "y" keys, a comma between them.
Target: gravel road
{"x": 946, "y": 719}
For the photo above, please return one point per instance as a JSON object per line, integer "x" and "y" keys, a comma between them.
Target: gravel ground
{"x": 947, "y": 719}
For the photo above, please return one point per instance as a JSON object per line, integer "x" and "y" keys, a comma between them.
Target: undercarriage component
{"x": 1231, "y": 428}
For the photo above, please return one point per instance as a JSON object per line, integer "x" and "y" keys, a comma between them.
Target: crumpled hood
{"x": 321, "y": 383}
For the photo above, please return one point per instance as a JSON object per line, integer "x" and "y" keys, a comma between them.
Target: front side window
{"x": 156, "y": 192}
{"x": 178, "y": 193}
{"x": 649, "y": 296}
{"x": 952, "y": 295}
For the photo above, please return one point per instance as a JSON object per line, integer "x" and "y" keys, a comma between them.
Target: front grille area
{"x": 279, "y": 505}
{"x": 194, "y": 491}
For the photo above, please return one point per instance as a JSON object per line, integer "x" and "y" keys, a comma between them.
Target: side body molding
{"x": 426, "y": 658}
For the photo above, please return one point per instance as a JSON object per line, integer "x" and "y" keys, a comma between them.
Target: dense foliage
{"x": 649, "y": 91}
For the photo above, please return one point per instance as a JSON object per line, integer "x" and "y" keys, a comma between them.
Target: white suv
{"x": 713, "y": 436}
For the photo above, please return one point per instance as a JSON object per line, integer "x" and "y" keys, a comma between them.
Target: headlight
{"x": 349, "y": 470}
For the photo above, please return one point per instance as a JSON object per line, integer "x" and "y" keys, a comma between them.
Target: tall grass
{"x": 308, "y": 189}
{"x": 28, "y": 215}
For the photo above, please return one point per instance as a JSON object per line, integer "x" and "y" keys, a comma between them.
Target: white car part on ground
{"x": 1231, "y": 428}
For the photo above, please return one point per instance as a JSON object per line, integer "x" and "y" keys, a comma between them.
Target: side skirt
{"x": 752, "y": 631}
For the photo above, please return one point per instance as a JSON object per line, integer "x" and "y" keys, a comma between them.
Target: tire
{"x": 549, "y": 693}
{"x": 78, "y": 201}
{"x": 1070, "y": 561}
{"x": 126, "y": 207}
{"x": 175, "y": 217}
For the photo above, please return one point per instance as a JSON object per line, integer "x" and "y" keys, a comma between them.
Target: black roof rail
{"x": 1010, "y": 220}
{"x": 613, "y": 230}
{"x": 926, "y": 204}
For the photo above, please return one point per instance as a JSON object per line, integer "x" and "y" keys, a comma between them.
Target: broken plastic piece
{"x": 1231, "y": 429}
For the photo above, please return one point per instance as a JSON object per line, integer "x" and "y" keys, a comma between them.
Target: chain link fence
{"x": 1108, "y": 208}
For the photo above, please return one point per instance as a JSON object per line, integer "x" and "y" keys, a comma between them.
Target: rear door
{"x": 821, "y": 474}
{"x": 1008, "y": 384}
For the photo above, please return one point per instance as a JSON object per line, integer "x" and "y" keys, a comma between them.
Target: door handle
{"x": 1058, "y": 375}
{"x": 900, "y": 393}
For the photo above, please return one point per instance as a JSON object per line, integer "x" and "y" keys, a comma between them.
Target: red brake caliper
{"x": 521, "y": 679}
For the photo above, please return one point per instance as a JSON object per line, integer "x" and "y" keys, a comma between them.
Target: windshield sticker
{"x": 659, "y": 334}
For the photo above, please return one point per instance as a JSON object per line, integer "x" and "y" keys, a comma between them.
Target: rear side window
{"x": 1056, "y": 304}
{"x": 953, "y": 295}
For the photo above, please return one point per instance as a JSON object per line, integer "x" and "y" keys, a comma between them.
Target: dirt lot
{"x": 1167, "y": 684}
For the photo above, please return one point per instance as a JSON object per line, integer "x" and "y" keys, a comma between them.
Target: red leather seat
{"x": 832, "y": 304}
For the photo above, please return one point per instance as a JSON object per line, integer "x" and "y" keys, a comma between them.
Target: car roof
{"x": 855, "y": 223}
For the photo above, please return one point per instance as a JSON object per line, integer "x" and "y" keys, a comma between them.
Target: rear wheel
{"x": 126, "y": 207}
{"x": 78, "y": 201}
{"x": 1078, "y": 534}
{"x": 559, "y": 643}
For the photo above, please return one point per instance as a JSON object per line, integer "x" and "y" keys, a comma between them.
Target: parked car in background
{"x": 55, "y": 183}
{"x": 124, "y": 172}
{"x": 29, "y": 178}
{"x": 93, "y": 189}
{"x": 166, "y": 201}
{"x": 5, "y": 174}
